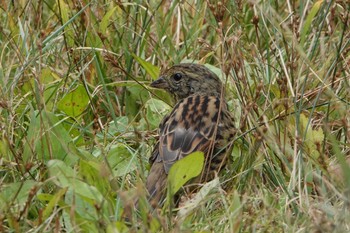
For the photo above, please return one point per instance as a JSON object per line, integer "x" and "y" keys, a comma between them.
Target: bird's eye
{"x": 177, "y": 77}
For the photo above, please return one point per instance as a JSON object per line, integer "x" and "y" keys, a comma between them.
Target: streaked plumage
{"x": 200, "y": 121}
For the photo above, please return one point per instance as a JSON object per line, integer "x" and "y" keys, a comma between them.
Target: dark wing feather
{"x": 189, "y": 128}
{"x": 180, "y": 142}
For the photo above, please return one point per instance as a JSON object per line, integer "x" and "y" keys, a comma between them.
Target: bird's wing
{"x": 190, "y": 127}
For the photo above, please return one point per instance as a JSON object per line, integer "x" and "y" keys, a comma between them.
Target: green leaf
{"x": 48, "y": 139}
{"x": 308, "y": 21}
{"x": 47, "y": 76}
{"x": 121, "y": 126}
{"x": 117, "y": 226}
{"x": 93, "y": 175}
{"x": 16, "y": 193}
{"x": 105, "y": 20}
{"x": 136, "y": 96}
{"x": 61, "y": 171}
{"x": 65, "y": 9}
{"x": 312, "y": 138}
{"x": 184, "y": 170}
{"x": 74, "y": 103}
{"x": 83, "y": 207}
{"x": 155, "y": 111}
{"x": 121, "y": 160}
{"x": 151, "y": 69}
{"x": 81, "y": 198}
{"x": 54, "y": 200}
{"x": 115, "y": 128}
{"x": 67, "y": 177}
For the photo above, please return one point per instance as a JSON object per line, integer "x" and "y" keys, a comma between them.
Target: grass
{"x": 78, "y": 120}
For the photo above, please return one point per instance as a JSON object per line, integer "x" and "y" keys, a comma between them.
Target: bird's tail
{"x": 156, "y": 184}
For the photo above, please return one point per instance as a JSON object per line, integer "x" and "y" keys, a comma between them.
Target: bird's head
{"x": 186, "y": 79}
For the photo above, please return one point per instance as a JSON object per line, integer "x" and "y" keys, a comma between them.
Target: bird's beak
{"x": 160, "y": 83}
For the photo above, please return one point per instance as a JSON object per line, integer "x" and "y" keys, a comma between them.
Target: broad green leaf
{"x": 61, "y": 172}
{"x": 4, "y": 148}
{"x": 155, "y": 111}
{"x": 47, "y": 76}
{"x": 236, "y": 204}
{"x": 136, "y": 96}
{"x": 77, "y": 223}
{"x": 84, "y": 207}
{"x": 184, "y": 170}
{"x": 48, "y": 139}
{"x": 67, "y": 177}
{"x": 119, "y": 127}
{"x": 313, "y": 137}
{"x": 217, "y": 71}
{"x": 94, "y": 174}
{"x": 12, "y": 26}
{"x": 16, "y": 192}
{"x": 49, "y": 79}
{"x": 121, "y": 160}
{"x": 117, "y": 227}
{"x": 74, "y": 103}
{"x": 151, "y": 69}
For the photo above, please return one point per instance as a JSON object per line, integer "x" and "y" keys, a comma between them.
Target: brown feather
{"x": 200, "y": 121}
{"x": 156, "y": 183}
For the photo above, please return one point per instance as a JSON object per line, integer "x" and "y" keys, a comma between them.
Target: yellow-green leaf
{"x": 149, "y": 67}
{"x": 312, "y": 138}
{"x": 105, "y": 20}
{"x": 315, "y": 8}
{"x": 56, "y": 198}
{"x": 184, "y": 170}
{"x": 74, "y": 103}
{"x": 65, "y": 18}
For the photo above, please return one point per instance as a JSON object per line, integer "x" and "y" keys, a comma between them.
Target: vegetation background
{"x": 78, "y": 119}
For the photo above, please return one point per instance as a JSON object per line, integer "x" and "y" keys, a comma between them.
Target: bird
{"x": 199, "y": 121}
